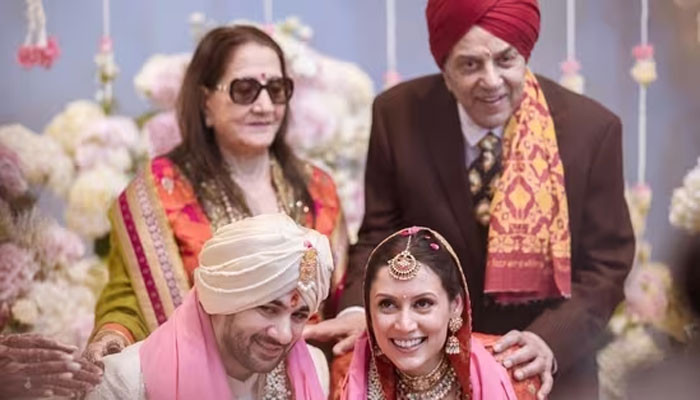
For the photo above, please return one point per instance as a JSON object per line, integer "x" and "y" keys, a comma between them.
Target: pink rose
{"x": 58, "y": 245}
{"x": 12, "y": 180}
{"x": 17, "y": 269}
{"x": 27, "y": 56}
{"x": 569, "y": 67}
{"x": 106, "y": 44}
{"x": 643, "y": 52}
{"x": 646, "y": 294}
{"x": 49, "y": 53}
{"x": 391, "y": 78}
{"x": 163, "y": 133}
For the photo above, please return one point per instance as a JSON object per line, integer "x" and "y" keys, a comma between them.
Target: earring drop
{"x": 452, "y": 345}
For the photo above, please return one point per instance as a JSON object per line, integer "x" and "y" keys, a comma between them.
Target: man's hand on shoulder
{"x": 345, "y": 329}
{"x": 534, "y": 357}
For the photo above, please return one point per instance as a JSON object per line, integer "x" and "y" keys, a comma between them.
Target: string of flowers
{"x": 653, "y": 314}
{"x": 391, "y": 76}
{"x": 644, "y": 73}
{"x": 571, "y": 79}
{"x": 107, "y": 69}
{"x": 267, "y": 11}
{"x": 38, "y": 48}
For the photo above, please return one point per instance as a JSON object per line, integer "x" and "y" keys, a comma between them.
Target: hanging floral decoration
{"x": 391, "y": 76}
{"x": 38, "y": 48}
{"x": 571, "y": 78}
{"x": 107, "y": 69}
{"x": 644, "y": 69}
{"x": 654, "y": 317}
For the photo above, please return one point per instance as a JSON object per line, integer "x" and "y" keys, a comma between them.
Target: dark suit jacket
{"x": 416, "y": 175}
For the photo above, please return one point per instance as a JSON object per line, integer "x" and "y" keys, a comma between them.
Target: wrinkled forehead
{"x": 253, "y": 60}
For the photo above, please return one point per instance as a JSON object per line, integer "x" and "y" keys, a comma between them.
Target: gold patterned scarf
{"x": 529, "y": 243}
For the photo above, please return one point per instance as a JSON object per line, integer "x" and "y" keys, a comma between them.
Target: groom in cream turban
{"x": 238, "y": 333}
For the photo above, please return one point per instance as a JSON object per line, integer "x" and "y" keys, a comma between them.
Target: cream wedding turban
{"x": 255, "y": 260}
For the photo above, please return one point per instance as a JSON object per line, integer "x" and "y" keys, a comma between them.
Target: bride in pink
{"x": 419, "y": 343}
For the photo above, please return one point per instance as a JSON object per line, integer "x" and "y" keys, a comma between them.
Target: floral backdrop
{"x": 654, "y": 319}
{"x": 48, "y": 282}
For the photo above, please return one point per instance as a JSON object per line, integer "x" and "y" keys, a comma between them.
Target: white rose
{"x": 25, "y": 311}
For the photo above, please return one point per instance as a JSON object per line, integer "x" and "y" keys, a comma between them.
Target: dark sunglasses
{"x": 246, "y": 90}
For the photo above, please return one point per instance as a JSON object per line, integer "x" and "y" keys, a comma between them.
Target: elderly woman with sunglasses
{"x": 233, "y": 163}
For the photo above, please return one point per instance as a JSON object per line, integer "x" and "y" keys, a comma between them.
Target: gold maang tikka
{"x": 404, "y": 266}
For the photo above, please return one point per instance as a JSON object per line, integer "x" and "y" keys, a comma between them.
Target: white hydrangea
{"x": 43, "y": 161}
{"x": 68, "y": 126}
{"x": 90, "y": 272}
{"x": 634, "y": 349}
{"x": 685, "y": 202}
{"x": 114, "y": 141}
{"x": 25, "y": 311}
{"x": 90, "y": 198}
{"x": 65, "y": 311}
{"x": 60, "y": 168}
{"x": 160, "y": 78}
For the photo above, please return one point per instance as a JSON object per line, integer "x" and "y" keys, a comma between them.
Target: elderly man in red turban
{"x": 522, "y": 176}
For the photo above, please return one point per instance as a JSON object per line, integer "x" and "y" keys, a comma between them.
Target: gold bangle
{"x": 99, "y": 335}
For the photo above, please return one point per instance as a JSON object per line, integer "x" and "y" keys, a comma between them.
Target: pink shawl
{"x": 180, "y": 360}
{"x": 489, "y": 380}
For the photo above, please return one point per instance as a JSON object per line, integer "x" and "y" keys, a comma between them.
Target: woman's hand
{"x": 35, "y": 366}
{"x": 104, "y": 343}
{"x": 534, "y": 357}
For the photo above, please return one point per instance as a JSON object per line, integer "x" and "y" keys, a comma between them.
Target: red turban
{"x": 515, "y": 21}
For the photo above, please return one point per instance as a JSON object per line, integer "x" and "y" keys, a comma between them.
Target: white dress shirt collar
{"x": 472, "y": 132}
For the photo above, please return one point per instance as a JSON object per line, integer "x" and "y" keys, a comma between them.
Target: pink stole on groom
{"x": 181, "y": 360}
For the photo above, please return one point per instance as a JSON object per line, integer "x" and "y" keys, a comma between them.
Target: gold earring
{"x": 452, "y": 345}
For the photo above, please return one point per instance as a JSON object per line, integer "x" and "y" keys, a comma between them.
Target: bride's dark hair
{"x": 427, "y": 249}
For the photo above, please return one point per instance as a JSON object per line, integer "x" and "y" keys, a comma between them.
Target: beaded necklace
{"x": 436, "y": 385}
